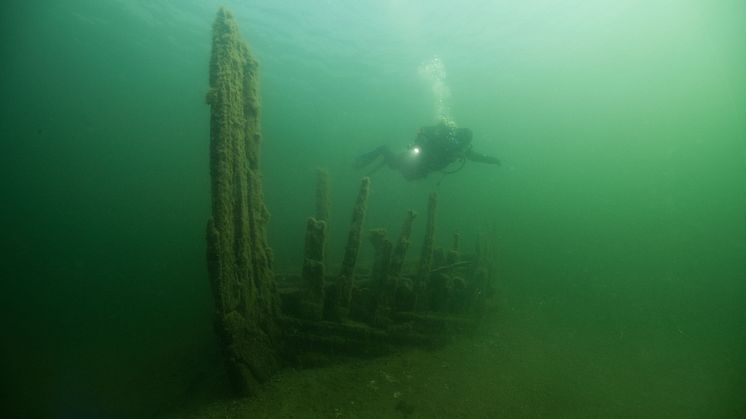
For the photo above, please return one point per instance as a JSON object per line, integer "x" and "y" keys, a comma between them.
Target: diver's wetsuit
{"x": 434, "y": 149}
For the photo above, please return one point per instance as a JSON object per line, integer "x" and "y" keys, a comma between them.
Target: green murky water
{"x": 620, "y": 205}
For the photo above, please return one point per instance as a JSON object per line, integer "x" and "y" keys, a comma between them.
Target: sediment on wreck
{"x": 238, "y": 256}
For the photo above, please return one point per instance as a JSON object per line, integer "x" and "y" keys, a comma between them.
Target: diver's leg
{"x": 368, "y": 158}
{"x": 376, "y": 167}
{"x": 389, "y": 158}
{"x": 481, "y": 158}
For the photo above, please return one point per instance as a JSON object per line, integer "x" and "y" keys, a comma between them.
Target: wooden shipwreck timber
{"x": 266, "y": 320}
{"x": 387, "y": 306}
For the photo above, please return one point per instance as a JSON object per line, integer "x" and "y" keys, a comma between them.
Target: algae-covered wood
{"x": 239, "y": 259}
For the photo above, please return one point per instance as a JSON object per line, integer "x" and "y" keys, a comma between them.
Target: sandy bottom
{"x": 530, "y": 363}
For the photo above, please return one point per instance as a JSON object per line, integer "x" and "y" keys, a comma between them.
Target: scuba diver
{"x": 435, "y": 149}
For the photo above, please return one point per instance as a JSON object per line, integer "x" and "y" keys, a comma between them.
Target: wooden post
{"x": 347, "y": 272}
{"x": 314, "y": 269}
{"x": 322, "y": 195}
{"x": 239, "y": 258}
{"x": 402, "y": 245}
{"x": 426, "y": 256}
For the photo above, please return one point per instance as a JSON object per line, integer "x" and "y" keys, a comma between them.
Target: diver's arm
{"x": 481, "y": 158}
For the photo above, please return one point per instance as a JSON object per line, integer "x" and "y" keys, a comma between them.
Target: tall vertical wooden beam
{"x": 322, "y": 195}
{"x": 426, "y": 255}
{"x": 402, "y": 244}
{"x": 239, "y": 258}
{"x": 347, "y": 272}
